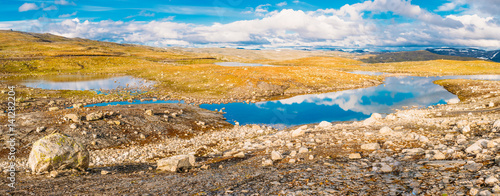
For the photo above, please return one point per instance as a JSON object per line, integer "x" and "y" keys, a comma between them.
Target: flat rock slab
{"x": 445, "y": 165}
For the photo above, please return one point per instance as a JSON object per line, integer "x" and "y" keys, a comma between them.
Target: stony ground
{"x": 441, "y": 150}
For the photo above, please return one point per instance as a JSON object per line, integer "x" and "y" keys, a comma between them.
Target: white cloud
{"x": 447, "y": 7}
{"x": 63, "y": 2}
{"x": 142, "y": 13}
{"x": 67, "y": 15}
{"x": 405, "y": 8}
{"x": 344, "y": 27}
{"x": 50, "y": 8}
{"x": 281, "y": 4}
{"x": 27, "y": 7}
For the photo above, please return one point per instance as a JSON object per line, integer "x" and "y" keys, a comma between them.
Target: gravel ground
{"x": 446, "y": 149}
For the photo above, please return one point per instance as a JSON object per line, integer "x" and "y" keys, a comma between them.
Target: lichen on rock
{"x": 58, "y": 151}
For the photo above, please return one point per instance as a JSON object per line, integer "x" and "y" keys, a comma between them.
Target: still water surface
{"x": 357, "y": 104}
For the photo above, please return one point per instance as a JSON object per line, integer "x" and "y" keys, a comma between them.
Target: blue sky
{"x": 265, "y": 24}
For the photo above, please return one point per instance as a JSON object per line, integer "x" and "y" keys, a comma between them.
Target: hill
{"x": 177, "y": 73}
{"x": 493, "y": 55}
{"x": 420, "y": 55}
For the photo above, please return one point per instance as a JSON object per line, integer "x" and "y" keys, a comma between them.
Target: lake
{"x": 348, "y": 105}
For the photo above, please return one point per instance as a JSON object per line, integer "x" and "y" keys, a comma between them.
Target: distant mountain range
{"x": 493, "y": 55}
{"x": 420, "y": 55}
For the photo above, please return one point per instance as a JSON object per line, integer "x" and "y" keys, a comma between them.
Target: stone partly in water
{"x": 176, "y": 163}
{"x": 56, "y": 152}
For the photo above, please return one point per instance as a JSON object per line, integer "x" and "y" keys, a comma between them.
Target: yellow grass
{"x": 435, "y": 67}
{"x": 187, "y": 74}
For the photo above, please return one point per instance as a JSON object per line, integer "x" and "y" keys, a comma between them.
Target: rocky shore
{"x": 447, "y": 149}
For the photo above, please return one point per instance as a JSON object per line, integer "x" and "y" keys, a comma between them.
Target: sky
{"x": 305, "y": 24}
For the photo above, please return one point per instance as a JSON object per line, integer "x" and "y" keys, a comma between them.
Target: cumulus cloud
{"x": 27, "y": 7}
{"x": 63, "y": 2}
{"x": 67, "y": 15}
{"x": 281, "y": 4}
{"x": 348, "y": 26}
{"x": 447, "y": 7}
{"x": 50, "y": 8}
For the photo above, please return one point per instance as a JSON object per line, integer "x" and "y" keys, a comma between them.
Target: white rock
{"x": 453, "y": 101}
{"x": 53, "y": 108}
{"x": 386, "y": 168}
{"x": 491, "y": 144}
{"x": 176, "y": 163}
{"x": 73, "y": 126}
{"x": 439, "y": 155}
{"x": 485, "y": 193}
{"x": 376, "y": 116}
{"x": 445, "y": 165}
{"x": 298, "y": 132}
{"x": 94, "y": 116}
{"x": 240, "y": 155}
{"x": 414, "y": 151}
{"x": 477, "y": 147}
{"x": 57, "y": 151}
{"x": 449, "y": 137}
{"x": 423, "y": 139}
{"x": 370, "y": 121}
{"x": 370, "y": 146}
{"x": 466, "y": 129}
{"x": 491, "y": 181}
{"x": 390, "y": 117}
{"x": 54, "y": 174}
{"x": 496, "y": 189}
{"x": 72, "y": 117}
{"x": 491, "y": 104}
{"x": 303, "y": 150}
{"x": 40, "y": 129}
{"x": 149, "y": 112}
{"x": 275, "y": 156}
{"x": 473, "y": 191}
{"x": 293, "y": 153}
{"x": 104, "y": 172}
{"x": 386, "y": 131}
{"x": 354, "y": 156}
{"x": 324, "y": 124}
{"x": 496, "y": 124}
{"x": 267, "y": 162}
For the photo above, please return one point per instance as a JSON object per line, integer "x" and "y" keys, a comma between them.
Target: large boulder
{"x": 94, "y": 116}
{"x": 176, "y": 163}
{"x": 72, "y": 117}
{"x": 325, "y": 124}
{"x": 57, "y": 151}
